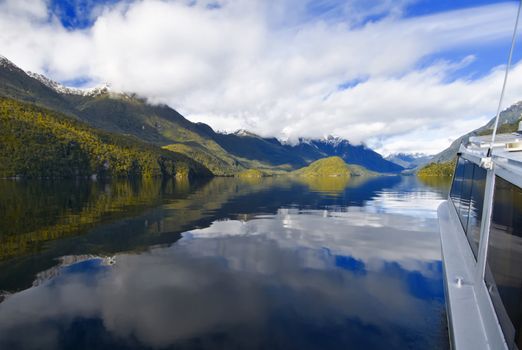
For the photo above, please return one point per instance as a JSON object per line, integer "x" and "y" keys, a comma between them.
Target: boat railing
{"x": 486, "y": 196}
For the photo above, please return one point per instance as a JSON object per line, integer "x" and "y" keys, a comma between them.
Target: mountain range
{"x": 163, "y": 129}
{"x": 409, "y": 160}
{"x": 508, "y": 122}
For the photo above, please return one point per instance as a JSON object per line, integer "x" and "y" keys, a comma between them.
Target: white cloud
{"x": 24, "y": 8}
{"x": 274, "y": 67}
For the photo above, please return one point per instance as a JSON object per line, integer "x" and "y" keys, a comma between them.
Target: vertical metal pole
{"x": 487, "y": 210}
{"x": 508, "y": 65}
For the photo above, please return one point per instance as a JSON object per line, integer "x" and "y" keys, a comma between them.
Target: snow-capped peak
{"x": 333, "y": 140}
{"x": 99, "y": 90}
{"x": 244, "y": 132}
{"x": 103, "y": 89}
{"x": 4, "y": 62}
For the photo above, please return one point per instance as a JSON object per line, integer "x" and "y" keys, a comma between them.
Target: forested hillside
{"x": 444, "y": 169}
{"x": 37, "y": 142}
{"x": 161, "y": 126}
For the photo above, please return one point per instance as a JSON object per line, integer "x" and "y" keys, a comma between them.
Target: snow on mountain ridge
{"x": 68, "y": 90}
{"x": 244, "y": 132}
{"x": 4, "y": 62}
{"x": 333, "y": 140}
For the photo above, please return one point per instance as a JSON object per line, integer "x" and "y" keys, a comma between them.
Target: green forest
{"x": 36, "y": 142}
{"x": 437, "y": 169}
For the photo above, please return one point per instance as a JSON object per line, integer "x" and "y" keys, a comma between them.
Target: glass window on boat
{"x": 504, "y": 270}
{"x": 467, "y": 194}
{"x": 457, "y": 183}
{"x": 476, "y": 203}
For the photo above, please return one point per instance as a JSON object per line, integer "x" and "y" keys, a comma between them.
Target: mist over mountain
{"x": 224, "y": 154}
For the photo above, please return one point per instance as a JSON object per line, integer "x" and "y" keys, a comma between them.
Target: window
{"x": 504, "y": 271}
{"x": 467, "y": 194}
{"x": 476, "y": 203}
{"x": 457, "y": 183}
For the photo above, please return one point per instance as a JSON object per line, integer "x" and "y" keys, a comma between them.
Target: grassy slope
{"x": 159, "y": 125}
{"x": 36, "y": 142}
{"x": 331, "y": 167}
{"x": 163, "y": 126}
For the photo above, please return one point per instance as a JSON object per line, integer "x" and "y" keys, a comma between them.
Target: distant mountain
{"x": 129, "y": 115}
{"x": 443, "y": 163}
{"x": 351, "y": 154}
{"x": 261, "y": 152}
{"x": 245, "y": 144}
{"x": 508, "y": 122}
{"x": 409, "y": 160}
{"x": 119, "y": 113}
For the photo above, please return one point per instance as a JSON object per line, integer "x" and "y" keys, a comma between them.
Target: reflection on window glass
{"x": 476, "y": 203}
{"x": 457, "y": 183}
{"x": 465, "y": 193}
{"x": 504, "y": 275}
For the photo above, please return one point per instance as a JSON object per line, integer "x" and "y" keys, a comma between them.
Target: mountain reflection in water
{"x": 226, "y": 264}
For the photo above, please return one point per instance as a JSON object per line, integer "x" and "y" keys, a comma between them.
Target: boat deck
{"x": 480, "y": 270}
{"x": 466, "y": 324}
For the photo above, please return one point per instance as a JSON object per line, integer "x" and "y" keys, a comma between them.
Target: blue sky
{"x": 381, "y": 72}
{"x": 425, "y": 7}
{"x": 77, "y": 14}
{"x": 81, "y": 14}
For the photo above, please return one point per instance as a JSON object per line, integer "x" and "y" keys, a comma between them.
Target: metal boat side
{"x": 477, "y": 317}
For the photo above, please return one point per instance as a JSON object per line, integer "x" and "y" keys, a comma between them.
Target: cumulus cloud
{"x": 282, "y": 68}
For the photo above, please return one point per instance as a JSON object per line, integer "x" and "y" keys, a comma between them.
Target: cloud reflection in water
{"x": 365, "y": 277}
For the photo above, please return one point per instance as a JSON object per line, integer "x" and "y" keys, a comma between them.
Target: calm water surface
{"x": 224, "y": 264}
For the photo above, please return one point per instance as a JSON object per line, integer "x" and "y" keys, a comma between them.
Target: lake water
{"x": 223, "y": 264}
